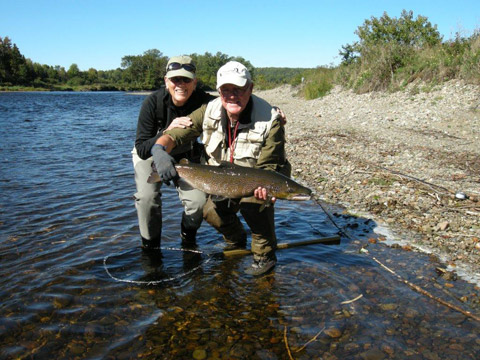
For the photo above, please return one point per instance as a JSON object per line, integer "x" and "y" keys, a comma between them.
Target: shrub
{"x": 319, "y": 82}
{"x": 386, "y": 48}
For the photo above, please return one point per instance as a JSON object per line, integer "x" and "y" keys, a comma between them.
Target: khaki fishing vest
{"x": 250, "y": 137}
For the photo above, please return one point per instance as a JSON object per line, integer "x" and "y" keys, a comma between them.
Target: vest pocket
{"x": 256, "y": 135}
{"x": 249, "y": 145}
{"x": 245, "y": 150}
{"x": 213, "y": 141}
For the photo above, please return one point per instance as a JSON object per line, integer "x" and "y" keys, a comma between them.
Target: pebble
{"x": 442, "y": 226}
{"x": 461, "y": 195}
{"x": 199, "y": 354}
{"x": 333, "y": 332}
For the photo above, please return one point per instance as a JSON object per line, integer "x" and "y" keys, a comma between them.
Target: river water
{"x": 76, "y": 285}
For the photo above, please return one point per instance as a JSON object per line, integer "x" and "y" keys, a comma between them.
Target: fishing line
{"x": 156, "y": 282}
{"x": 341, "y": 231}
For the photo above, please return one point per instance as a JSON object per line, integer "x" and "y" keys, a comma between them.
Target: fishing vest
{"x": 250, "y": 137}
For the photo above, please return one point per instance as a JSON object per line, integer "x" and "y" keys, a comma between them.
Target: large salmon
{"x": 234, "y": 181}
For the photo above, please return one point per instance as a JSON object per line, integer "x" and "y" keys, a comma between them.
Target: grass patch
{"x": 318, "y": 83}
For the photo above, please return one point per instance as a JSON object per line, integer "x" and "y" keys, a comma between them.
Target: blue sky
{"x": 98, "y": 33}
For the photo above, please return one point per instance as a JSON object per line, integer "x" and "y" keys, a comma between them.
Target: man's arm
{"x": 164, "y": 163}
{"x": 185, "y": 135}
{"x": 272, "y": 155}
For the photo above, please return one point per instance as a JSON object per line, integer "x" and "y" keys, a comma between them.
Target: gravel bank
{"x": 398, "y": 159}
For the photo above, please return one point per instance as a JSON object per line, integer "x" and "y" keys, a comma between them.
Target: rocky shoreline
{"x": 409, "y": 160}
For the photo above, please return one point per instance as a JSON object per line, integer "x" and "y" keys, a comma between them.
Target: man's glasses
{"x": 237, "y": 91}
{"x": 180, "y": 79}
{"x": 177, "y": 66}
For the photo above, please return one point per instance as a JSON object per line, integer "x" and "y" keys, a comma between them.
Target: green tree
{"x": 349, "y": 53}
{"x": 75, "y": 76}
{"x": 385, "y": 46}
{"x": 73, "y": 71}
{"x": 17, "y": 66}
{"x": 92, "y": 76}
{"x": 61, "y": 74}
{"x": 144, "y": 71}
{"x": 207, "y": 66}
{"x": 13, "y": 65}
{"x": 405, "y": 30}
{"x": 5, "y": 56}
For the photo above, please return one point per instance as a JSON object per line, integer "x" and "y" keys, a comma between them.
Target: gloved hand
{"x": 164, "y": 163}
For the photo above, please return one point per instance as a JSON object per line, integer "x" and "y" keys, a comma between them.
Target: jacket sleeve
{"x": 272, "y": 155}
{"x": 147, "y": 128}
{"x": 182, "y": 136}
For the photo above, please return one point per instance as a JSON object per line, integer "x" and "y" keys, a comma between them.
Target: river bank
{"x": 403, "y": 159}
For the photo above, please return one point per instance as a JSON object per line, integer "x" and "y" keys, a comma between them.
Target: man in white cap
{"x": 165, "y": 109}
{"x": 245, "y": 130}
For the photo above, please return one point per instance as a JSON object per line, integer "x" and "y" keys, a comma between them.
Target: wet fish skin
{"x": 234, "y": 181}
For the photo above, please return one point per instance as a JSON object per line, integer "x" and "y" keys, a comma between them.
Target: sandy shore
{"x": 405, "y": 160}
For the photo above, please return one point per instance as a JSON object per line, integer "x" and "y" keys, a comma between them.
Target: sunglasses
{"x": 177, "y": 66}
{"x": 180, "y": 79}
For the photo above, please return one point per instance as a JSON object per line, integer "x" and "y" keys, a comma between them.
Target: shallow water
{"x": 75, "y": 284}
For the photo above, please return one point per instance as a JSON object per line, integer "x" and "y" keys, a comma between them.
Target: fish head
{"x": 295, "y": 192}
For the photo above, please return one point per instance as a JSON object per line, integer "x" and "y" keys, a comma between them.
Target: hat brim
{"x": 180, "y": 72}
{"x": 232, "y": 79}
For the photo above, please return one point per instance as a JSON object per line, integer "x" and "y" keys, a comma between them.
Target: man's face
{"x": 180, "y": 89}
{"x": 235, "y": 98}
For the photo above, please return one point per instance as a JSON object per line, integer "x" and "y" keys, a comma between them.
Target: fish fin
{"x": 267, "y": 202}
{"x": 218, "y": 197}
{"x": 184, "y": 161}
{"x": 153, "y": 178}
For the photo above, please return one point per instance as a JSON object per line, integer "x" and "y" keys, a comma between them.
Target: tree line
{"x": 390, "y": 54}
{"x": 137, "y": 72}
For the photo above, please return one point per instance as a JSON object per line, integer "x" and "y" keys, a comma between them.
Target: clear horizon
{"x": 303, "y": 34}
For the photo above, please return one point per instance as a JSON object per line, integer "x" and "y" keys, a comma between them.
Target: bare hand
{"x": 262, "y": 194}
{"x": 180, "y": 122}
{"x": 283, "y": 117}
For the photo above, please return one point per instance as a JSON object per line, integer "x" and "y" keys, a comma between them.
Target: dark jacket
{"x": 156, "y": 114}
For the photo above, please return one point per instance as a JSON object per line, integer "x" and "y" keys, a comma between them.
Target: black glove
{"x": 164, "y": 163}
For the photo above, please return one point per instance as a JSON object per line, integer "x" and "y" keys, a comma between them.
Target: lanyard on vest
{"x": 231, "y": 139}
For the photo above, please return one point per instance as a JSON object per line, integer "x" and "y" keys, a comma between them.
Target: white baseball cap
{"x": 234, "y": 73}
